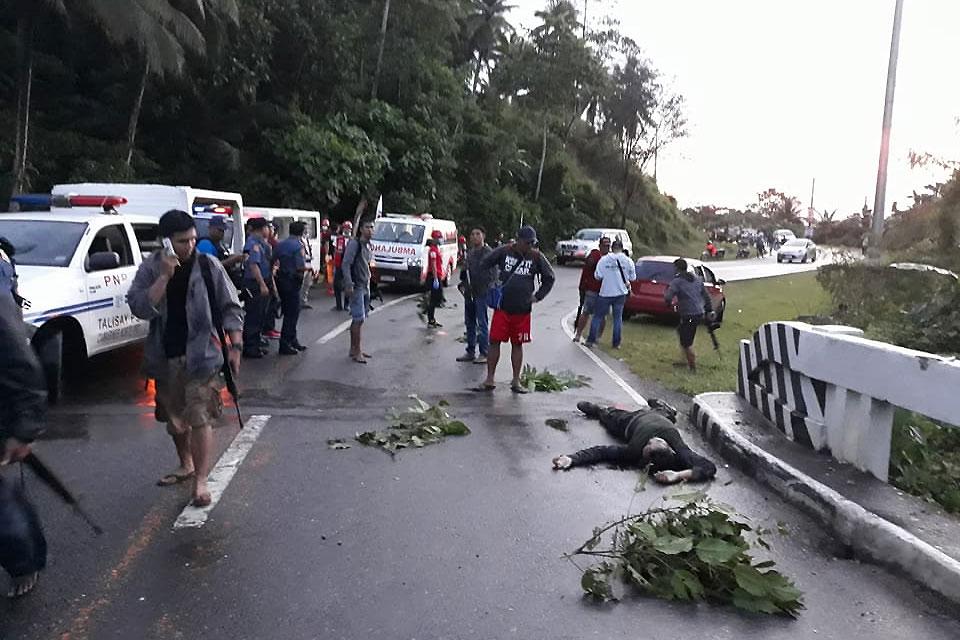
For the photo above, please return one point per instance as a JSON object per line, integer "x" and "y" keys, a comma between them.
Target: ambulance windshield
{"x": 398, "y": 231}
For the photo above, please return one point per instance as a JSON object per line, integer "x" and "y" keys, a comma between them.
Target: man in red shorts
{"x": 519, "y": 263}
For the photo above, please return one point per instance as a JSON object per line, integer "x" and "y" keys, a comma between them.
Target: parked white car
{"x": 798, "y": 250}
{"x": 586, "y": 240}
{"x": 281, "y": 219}
{"x": 75, "y": 266}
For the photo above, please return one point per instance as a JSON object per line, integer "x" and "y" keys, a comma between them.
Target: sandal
{"x": 172, "y": 478}
{"x": 518, "y": 389}
{"x": 484, "y": 388}
{"x": 358, "y": 359}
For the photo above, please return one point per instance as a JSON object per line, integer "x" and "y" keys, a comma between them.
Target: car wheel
{"x": 779, "y": 259}
{"x": 804, "y": 259}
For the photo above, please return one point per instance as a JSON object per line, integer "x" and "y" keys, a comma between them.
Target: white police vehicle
{"x": 586, "y": 240}
{"x": 74, "y": 266}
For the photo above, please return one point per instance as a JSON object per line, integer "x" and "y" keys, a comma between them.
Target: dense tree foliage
{"x": 274, "y": 98}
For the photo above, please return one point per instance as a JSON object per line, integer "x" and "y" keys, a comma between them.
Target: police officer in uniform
{"x": 257, "y": 280}
{"x": 292, "y": 265}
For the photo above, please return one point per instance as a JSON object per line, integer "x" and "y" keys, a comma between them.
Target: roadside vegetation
{"x": 440, "y": 106}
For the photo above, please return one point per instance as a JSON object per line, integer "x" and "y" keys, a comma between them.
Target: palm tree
{"x": 559, "y": 20}
{"x": 161, "y": 31}
{"x": 486, "y": 28}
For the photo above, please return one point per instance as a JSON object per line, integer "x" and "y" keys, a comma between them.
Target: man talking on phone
{"x": 183, "y": 352}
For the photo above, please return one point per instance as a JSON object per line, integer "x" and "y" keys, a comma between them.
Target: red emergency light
{"x": 96, "y": 201}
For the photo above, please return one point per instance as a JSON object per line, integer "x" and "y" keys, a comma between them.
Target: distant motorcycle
{"x": 743, "y": 251}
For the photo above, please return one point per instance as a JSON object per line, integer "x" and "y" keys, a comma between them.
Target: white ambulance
{"x": 75, "y": 264}
{"x": 400, "y": 248}
{"x": 156, "y": 199}
{"x": 281, "y": 219}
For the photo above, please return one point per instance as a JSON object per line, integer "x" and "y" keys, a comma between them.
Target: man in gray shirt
{"x": 356, "y": 285}
{"x": 474, "y": 283}
{"x": 692, "y": 302}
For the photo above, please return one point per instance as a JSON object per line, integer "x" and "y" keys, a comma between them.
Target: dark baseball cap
{"x": 217, "y": 222}
{"x": 527, "y": 234}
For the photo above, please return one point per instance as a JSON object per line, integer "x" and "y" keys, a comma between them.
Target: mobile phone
{"x": 168, "y": 249}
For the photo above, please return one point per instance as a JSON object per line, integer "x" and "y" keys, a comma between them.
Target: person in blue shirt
{"x": 257, "y": 280}
{"x": 292, "y": 264}
{"x": 213, "y": 245}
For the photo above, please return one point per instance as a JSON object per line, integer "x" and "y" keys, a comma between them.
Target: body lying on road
{"x": 650, "y": 440}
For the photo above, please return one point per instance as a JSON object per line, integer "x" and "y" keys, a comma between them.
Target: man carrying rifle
{"x": 22, "y": 545}
{"x": 183, "y": 352}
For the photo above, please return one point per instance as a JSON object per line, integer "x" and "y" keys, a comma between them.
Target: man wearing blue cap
{"x": 213, "y": 245}
{"x": 519, "y": 263}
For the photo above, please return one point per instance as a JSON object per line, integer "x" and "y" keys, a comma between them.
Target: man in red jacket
{"x": 590, "y": 288}
{"x": 435, "y": 277}
{"x": 340, "y": 245}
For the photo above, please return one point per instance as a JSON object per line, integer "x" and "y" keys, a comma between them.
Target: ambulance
{"x": 75, "y": 264}
{"x": 281, "y": 219}
{"x": 399, "y": 247}
{"x": 156, "y": 199}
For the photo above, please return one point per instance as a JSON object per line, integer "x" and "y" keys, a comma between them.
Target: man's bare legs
{"x": 582, "y": 325}
{"x": 182, "y": 443}
{"x": 691, "y": 357}
{"x": 516, "y": 359}
{"x": 355, "y": 351}
{"x": 201, "y": 441}
{"x": 493, "y": 358}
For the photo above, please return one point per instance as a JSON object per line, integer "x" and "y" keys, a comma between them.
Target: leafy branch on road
{"x": 545, "y": 381}
{"x": 420, "y": 425}
{"x": 694, "y": 551}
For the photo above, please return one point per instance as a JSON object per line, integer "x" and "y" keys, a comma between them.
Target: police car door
{"x": 108, "y": 322}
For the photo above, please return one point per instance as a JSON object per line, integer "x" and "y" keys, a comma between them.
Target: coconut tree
{"x": 486, "y": 28}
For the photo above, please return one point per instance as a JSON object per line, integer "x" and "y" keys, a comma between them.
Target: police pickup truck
{"x": 74, "y": 267}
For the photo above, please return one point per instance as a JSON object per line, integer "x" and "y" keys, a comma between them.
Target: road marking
{"x": 343, "y": 326}
{"x": 567, "y": 329}
{"x": 223, "y": 473}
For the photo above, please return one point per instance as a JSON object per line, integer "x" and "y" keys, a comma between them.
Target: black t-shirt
{"x": 175, "y": 331}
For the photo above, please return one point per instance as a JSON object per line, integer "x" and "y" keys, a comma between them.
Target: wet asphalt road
{"x": 458, "y": 540}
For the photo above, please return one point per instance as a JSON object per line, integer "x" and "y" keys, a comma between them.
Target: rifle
{"x": 712, "y": 326}
{"x": 217, "y": 316}
{"x": 576, "y": 323}
{"x": 56, "y": 485}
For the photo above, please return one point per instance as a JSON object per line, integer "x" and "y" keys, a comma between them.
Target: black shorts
{"x": 688, "y": 329}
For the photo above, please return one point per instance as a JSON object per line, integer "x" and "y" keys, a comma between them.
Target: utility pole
{"x": 811, "y": 212}
{"x": 879, "y": 199}
{"x": 383, "y": 39}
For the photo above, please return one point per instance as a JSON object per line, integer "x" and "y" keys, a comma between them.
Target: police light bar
{"x": 96, "y": 201}
{"x": 213, "y": 208}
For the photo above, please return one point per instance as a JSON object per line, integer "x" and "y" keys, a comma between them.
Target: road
{"x": 752, "y": 268}
{"x": 462, "y": 540}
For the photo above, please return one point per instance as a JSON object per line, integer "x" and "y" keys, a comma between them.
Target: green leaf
{"x": 672, "y": 545}
{"x": 751, "y": 580}
{"x": 687, "y": 497}
{"x": 714, "y": 551}
{"x": 748, "y": 602}
{"x": 456, "y": 428}
{"x": 557, "y": 423}
{"x": 595, "y": 583}
{"x": 692, "y": 583}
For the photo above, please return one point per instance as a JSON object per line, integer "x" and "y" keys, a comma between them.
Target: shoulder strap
{"x": 516, "y": 264}
{"x": 620, "y": 267}
{"x": 216, "y": 314}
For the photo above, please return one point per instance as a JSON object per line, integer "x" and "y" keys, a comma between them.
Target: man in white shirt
{"x": 615, "y": 272}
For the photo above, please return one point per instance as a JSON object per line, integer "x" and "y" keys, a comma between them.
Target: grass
{"x": 650, "y": 346}
{"x": 925, "y": 459}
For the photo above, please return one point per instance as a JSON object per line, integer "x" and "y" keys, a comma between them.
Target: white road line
{"x": 343, "y": 326}
{"x": 223, "y": 473}
{"x": 567, "y": 329}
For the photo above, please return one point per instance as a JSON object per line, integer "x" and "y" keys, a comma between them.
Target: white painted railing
{"x": 830, "y": 389}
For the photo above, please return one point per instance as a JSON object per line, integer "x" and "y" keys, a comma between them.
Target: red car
{"x": 654, "y": 274}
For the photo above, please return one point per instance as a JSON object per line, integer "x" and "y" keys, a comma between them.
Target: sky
{"x": 781, "y": 92}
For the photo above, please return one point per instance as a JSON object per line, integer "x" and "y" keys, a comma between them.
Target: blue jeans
{"x": 603, "y": 306}
{"x": 475, "y": 318}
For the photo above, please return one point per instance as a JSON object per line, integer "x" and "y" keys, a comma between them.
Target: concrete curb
{"x": 867, "y": 534}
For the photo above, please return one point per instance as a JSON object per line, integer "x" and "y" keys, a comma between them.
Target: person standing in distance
{"x": 213, "y": 245}
{"x": 590, "y": 288}
{"x": 308, "y": 275}
{"x": 475, "y": 281}
{"x": 692, "y": 302}
{"x": 292, "y": 268}
{"x": 183, "y": 352}
{"x": 256, "y": 278}
{"x": 615, "y": 272}
{"x": 356, "y": 286}
{"x": 519, "y": 263}
{"x": 340, "y": 245}
{"x": 435, "y": 278}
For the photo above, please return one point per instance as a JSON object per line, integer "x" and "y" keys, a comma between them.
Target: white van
{"x": 400, "y": 247}
{"x": 281, "y": 219}
{"x": 586, "y": 240}
{"x": 75, "y": 266}
{"x": 156, "y": 199}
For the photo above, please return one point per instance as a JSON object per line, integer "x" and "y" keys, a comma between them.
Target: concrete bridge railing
{"x": 830, "y": 389}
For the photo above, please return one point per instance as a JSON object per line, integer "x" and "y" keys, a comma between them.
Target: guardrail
{"x": 830, "y": 389}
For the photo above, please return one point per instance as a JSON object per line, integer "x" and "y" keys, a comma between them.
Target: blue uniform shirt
{"x": 258, "y": 256}
{"x": 290, "y": 256}
{"x": 206, "y": 246}
{"x": 8, "y": 277}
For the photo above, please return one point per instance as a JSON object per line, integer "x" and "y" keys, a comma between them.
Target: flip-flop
{"x": 172, "y": 478}
{"x": 366, "y": 355}
{"x": 484, "y": 388}
{"x": 358, "y": 359}
{"x": 519, "y": 389}
{"x": 202, "y": 501}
